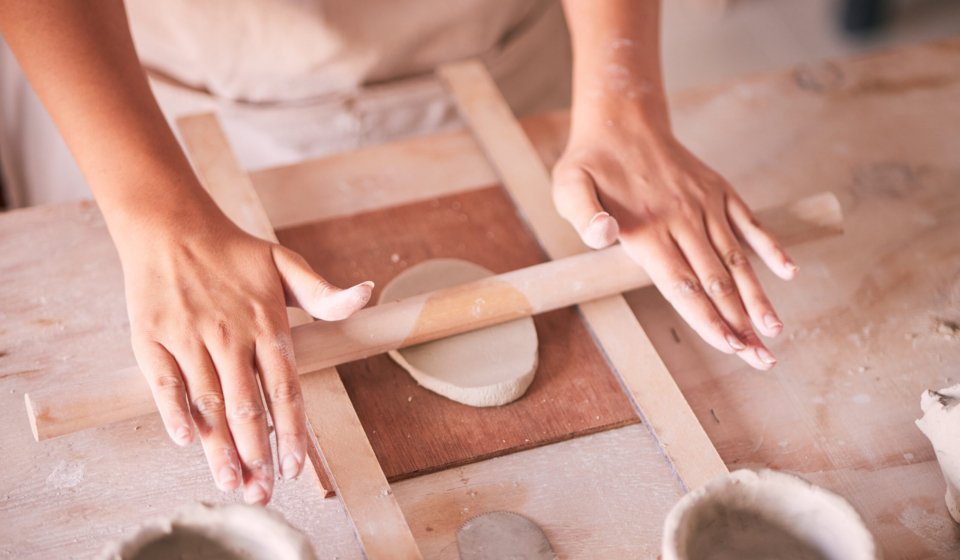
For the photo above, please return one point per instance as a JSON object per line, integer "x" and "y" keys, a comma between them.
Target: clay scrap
{"x": 941, "y": 424}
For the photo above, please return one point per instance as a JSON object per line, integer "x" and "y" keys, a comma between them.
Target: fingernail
{"x": 183, "y": 435}
{"x": 772, "y": 322}
{"x": 361, "y": 295}
{"x": 290, "y": 467}
{"x": 734, "y": 342}
{"x": 765, "y": 356}
{"x": 792, "y": 268}
{"x": 597, "y": 217}
{"x": 601, "y": 230}
{"x": 345, "y": 302}
{"x": 227, "y": 477}
{"x": 255, "y": 494}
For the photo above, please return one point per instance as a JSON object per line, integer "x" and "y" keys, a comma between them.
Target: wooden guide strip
{"x": 652, "y": 388}
{"x": 380, "y": 526}
{"x": 358, "y": 480}
{"x": 81, "y": 404}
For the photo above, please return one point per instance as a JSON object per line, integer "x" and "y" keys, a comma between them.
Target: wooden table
{"x": 860, "y": 344}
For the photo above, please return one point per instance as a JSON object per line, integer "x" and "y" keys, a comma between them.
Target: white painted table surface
{"x": 859, "y": 347}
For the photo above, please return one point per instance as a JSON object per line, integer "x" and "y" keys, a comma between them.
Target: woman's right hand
{"x": 207, "y": 306}
{"x": 206, "y": 301}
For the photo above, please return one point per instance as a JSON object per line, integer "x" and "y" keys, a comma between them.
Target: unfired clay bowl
{"x": 230, "y": 532}
{"x": 765, "y": 514}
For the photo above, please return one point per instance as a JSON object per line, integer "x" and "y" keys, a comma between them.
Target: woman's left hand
{"x": 681, "y": 221}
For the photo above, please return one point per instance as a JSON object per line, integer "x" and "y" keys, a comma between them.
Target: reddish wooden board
{"x": 414, "y": 431}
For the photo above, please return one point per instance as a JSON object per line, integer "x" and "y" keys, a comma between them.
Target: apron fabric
{"x": 295, "y": 79}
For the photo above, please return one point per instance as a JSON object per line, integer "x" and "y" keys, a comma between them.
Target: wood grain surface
{"x": 412, "y": 430}
{"x": 861, "y": 340}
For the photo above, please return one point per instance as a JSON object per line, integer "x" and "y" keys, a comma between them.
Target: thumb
{"x": 575, "y": 196}
{"x": 310, "y": 291}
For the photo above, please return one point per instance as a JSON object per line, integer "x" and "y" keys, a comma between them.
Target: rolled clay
{"x": 201, "y": 531}
{"x": 765, "y": 514}
{"x": 941, "y": 424}
{"x": 487, "y": 367}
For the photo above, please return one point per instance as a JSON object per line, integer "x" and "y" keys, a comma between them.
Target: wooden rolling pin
{"x": 100, "y": 398}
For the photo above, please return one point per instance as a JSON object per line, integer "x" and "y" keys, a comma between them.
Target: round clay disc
{"x": 488, "y": 367}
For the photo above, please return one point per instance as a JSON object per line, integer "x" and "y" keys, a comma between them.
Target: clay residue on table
{"x": 949, "y": 330}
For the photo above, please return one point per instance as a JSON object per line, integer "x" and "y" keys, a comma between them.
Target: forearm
{"x": 617, "y": 71}
{"x": 81, "y": 61}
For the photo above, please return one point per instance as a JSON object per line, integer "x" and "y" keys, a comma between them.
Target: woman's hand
{"x": 206, "y": 301}
{"x": 678, "y": 219}
{"x": 207, "y": 306}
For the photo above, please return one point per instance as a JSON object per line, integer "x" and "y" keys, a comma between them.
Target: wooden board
{"x": 880, "y": 131}
{"x": 412, "y": 430}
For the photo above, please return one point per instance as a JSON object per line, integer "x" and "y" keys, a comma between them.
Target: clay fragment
{"x": 941, "y": 424}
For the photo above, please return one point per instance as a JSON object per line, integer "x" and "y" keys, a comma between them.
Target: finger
{"x": 207, "y": 408}
{"x": 671, "y": 273}
{"x": 166, "y": 383}
{"x": 310, "y": 291}
{"x": 756, "y": 236}
{"x": 246, "y": 417}
{"x": 575, "y": 196}
{"x": 281, "y": 387}
{"x": 720, "y": 288}
{"x": 755, "y": 301}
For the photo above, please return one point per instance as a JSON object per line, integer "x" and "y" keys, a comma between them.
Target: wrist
{"x": 636, "y": 122}
{"x": 160, "y": 214}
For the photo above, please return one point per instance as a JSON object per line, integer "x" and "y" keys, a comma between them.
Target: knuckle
{"x": 282, "y": 344}
{"x": 734, "y": 258}
{"x": 321, "y": 289}
{"x": 720, "y": 285}
{"x": 246, "y": 411}
{"x": 747, "y": 335}
{"x": 168, "y": 383}
{"x": 286, "y": 392}
{"x": 292, "y": 438}
{"x": 760, "y": 301}
{"x": 261, "y": 469}
{"x": 268, "y": 326}
{"x": 188, "y": 340}
{"x": 209, "y": 404}
{"x": 223, "y": 334}
{"x": 716, "y": 324}
{"x": 685, "y": 286}
{"x": 691, "y": 212}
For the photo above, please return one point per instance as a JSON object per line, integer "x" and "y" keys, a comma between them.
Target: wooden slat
{"x": 357, "y": 477}
{"x": 653, "y": 390}
{"x": 381, "y": 528}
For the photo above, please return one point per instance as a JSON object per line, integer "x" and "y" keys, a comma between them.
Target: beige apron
{"x": 293, "y": 79}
